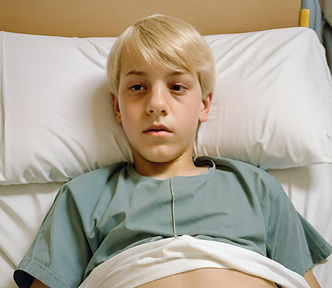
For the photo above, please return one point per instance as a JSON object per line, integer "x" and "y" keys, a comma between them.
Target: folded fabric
{"x": 155, "y": 260}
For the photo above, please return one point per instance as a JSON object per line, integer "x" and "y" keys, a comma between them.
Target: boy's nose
{"x": 157, "y": 100}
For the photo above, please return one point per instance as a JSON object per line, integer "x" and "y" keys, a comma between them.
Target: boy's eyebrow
{"x": 136, "y": 73}
{"x": 177, "y": 73}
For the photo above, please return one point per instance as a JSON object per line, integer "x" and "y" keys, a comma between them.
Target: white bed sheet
{"x": 23, "y": 207}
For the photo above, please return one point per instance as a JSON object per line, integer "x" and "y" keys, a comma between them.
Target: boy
{"x": 113, "y": 227}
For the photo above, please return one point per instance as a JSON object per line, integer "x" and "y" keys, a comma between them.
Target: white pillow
{"x": 58, "y": 120}
{"x": 272, "y": 106}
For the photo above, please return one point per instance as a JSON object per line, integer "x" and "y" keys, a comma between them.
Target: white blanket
{"x": 155, "y": 260}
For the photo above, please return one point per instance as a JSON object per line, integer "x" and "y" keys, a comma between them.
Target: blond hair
{"x": 168, "y": 41}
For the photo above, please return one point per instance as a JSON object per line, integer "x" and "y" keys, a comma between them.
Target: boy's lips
{"x": 157, "y": 130}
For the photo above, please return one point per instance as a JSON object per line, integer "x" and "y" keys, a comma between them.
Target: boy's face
{"x": 159, "y": 110}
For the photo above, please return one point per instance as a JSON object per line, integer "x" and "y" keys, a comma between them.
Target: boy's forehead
{"x": 134, "y": 63}
{"x": 131, "y": 60}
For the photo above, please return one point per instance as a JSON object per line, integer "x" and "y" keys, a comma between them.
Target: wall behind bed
{"x": 326, "y": 6}
{"x": 86, "y": 18}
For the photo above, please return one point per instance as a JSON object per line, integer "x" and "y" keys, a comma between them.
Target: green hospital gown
{"x": 104, "y": 212}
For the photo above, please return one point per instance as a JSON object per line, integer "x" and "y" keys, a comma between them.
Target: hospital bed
{"x": 272, "y": 105}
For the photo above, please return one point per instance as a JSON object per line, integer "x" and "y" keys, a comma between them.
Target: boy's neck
{"x": 165, "y": 170}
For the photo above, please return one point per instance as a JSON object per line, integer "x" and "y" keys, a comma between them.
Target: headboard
{"x": 88, "y": 18}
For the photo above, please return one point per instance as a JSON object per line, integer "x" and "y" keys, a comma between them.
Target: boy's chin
{"x": 161, "y": 154}
{"x": 156, "y": 158}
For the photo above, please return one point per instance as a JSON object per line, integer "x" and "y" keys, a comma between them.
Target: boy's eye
{"x": 178, "y": 88}
{"x": 136, "y": 87}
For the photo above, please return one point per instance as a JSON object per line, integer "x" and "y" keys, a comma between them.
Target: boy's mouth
{"x": 157, "y": 130}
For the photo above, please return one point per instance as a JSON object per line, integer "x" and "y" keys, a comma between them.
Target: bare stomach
{"x": 210, "y": 278}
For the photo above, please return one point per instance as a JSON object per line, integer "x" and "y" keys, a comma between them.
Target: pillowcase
{"x": 57, "y": 118}
{"x": 272, "y": 106}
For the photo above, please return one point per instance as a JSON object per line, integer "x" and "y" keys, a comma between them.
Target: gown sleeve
{"x": 60, "y": 251}
{"x": 291, "y": 240}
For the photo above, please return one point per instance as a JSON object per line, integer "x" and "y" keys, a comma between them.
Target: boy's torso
{"x": 210, "y": 277}
{"x": 104, "y": 213}
{"x": 142, "y": 209}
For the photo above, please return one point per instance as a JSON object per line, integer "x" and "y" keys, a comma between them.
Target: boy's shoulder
{"x": 86, "y": 190}
{"x": 96, "y": 177}
{"x": 251, "y": 175}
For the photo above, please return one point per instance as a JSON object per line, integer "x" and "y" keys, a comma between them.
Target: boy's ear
{"x": 205, "y": 110}
{"x": 116, "y": 108}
